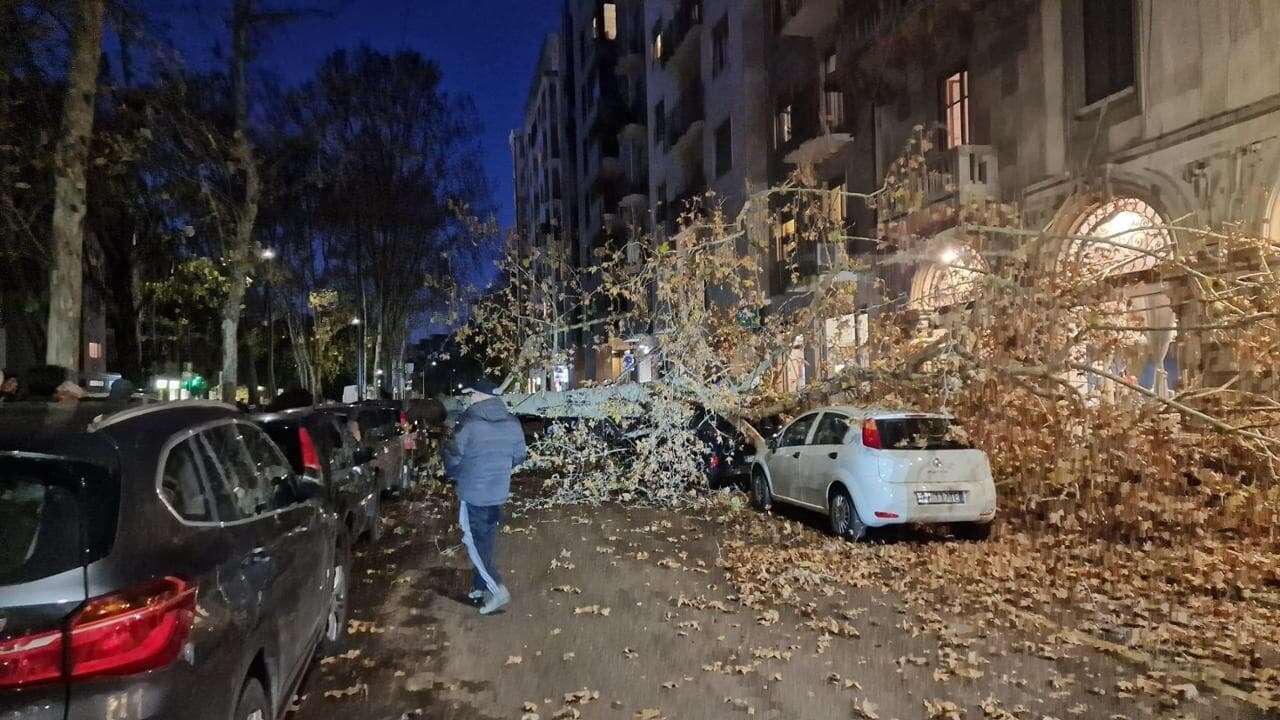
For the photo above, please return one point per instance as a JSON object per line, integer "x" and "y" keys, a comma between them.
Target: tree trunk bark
{"x": 239, "y": 255}
{"x": 66, "y": 273}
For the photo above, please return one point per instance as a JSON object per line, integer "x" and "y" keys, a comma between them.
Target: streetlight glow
{"x": 949, "y": 256}
{"x": 267, "y": 254}
{"x": 355, "y": 321}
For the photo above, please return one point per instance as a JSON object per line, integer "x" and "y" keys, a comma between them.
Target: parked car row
{"x": 185, "y": 558}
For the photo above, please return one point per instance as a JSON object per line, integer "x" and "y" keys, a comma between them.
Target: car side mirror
{"x": 362, "y": 456}
{"x": 773, "y": 443}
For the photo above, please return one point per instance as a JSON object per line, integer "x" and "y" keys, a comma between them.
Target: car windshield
{"x": 46, "y": 508}
{"x": 920, "y": 433}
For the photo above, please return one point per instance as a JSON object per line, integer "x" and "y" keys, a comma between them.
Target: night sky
{"x": 486, "y": 48}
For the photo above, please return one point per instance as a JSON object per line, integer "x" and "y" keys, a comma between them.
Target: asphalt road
{"x": 627, "y": 614}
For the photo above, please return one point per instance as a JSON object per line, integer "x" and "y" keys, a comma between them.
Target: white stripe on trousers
{"x": 472, "y": 552}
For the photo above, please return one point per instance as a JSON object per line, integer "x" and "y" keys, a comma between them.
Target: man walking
{"x": 486, "y": 445}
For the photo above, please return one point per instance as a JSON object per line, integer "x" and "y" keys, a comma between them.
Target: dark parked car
{"x": 728, "y": 451}
{"x": 382, "y": 428}
{"x": 319, "y": 443}
{"x": 161, "y": 561}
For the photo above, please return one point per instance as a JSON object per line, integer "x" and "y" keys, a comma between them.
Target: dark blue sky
{"x": 486, "y": 48}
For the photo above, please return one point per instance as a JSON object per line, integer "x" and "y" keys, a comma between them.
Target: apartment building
{"x": 604, "y": 56}
{"x": 1088, "y": 115}
{"x": 1092, "y": 116}
{"x": 544, "y": 181}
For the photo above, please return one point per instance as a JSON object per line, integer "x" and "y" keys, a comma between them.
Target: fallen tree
{"x": 1050, "y": 346}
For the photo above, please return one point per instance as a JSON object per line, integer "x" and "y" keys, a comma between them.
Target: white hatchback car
{"x": 866, "y": 468}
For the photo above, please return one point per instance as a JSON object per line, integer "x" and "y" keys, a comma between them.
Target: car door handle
{"x": 795, "y": 455}
{"x": 833, "y": 455}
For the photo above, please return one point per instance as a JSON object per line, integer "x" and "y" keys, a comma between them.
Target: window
{"x": 95, "y": 350}
{"x": 269, "y": 463}
{"x": 782, "y": 129}
{"x": 657, "y": 41}
{"x": 611, "y": 21}
{"x": 797, "y": 432}
{"x": 238, "y": 490}
{"x": 832, "y": 430}
{"x": 720, "y": 46}
{"x": 724, "y": 147}
{"x": 1108, "y": 48}
{"x": 181, "y": 485}
{"x": 659, "y": 123}
{"x": 832, "y": 98}
{"x": 955, "y": 108}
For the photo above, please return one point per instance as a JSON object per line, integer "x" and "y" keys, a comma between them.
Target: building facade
{"x": 1087, "y": 115}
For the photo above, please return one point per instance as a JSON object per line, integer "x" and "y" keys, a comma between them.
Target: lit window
{"x": 95, "y": 350}
{"x": 955, "y": 93}
{"x": 832, "y": 98}
{"x": 611, "y": 21}
{"x": 782, "y": 131}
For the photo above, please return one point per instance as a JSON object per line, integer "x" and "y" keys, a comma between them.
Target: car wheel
{"x": 252, "y": 704}
{"x": 977, "y": 532}
{"x": 761, "y": 495}
{"x": 335, "y": 624}
{"x": 844, "y": 517}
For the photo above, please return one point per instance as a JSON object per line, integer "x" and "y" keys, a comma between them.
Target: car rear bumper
{"x": 899, "y": 504}
{"x": 178, "y": 691}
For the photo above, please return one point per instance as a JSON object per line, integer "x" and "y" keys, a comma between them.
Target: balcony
{"x": 952, "y": 179}
{"x": 637, "y": 193}
{"x": 805, "y": 18}
{"x": 683, "y": 32}
{"x": 687, "y": 115}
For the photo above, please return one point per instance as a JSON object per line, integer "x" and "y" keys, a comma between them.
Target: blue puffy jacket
{"x": 486, "y": 444}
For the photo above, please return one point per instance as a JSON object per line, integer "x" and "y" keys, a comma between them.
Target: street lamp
{"x": 949, "y": 255}
{"x": 267, "y": 254}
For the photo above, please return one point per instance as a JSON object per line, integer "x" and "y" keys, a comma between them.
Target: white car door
{"x": 820, "y": 456}
{"x": 784, "y": 460}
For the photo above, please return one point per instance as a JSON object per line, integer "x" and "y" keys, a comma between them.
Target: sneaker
{"x": 494, "y": 602}
{"x": 475, "y": 595}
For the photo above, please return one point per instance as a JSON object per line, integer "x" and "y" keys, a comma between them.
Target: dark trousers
{"x": 480, "y": 536}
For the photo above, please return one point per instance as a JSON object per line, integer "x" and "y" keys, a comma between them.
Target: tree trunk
{"x": 66, "y": 273}
{"x": 239, "y": 255}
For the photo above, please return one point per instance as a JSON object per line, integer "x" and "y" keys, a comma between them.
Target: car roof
{"x": 880, "y": 413}
{"x": 91, "y": 430}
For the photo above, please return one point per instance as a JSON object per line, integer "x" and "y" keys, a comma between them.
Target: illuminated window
{"x": 782, "y": 129}
{"x": 611, "y": 21}
{"x": 95, "y": 350}
{"x": 1132, "y": 238}
{"x": 955, "y": 108}
{"x": 832, "y": 98}
{"x": 657, "y": 41}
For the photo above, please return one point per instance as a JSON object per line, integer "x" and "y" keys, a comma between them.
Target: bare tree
{"x": 70, "y": 188}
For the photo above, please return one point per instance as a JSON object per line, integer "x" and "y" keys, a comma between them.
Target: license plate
{"x": 940, "y": 497}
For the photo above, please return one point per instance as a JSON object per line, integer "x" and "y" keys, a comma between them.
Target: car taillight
{"x": 870, "y": 434}
{"x": 142, "y": 628}
{"x": 404, "y": 418}
{"x": 310, "y": 458}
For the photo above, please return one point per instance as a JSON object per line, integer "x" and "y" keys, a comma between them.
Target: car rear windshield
{"x": 924, "y": 433}
{"x": 47, "y": 507}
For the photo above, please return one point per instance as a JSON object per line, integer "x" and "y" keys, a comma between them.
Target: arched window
{"x": 953, "y": 278}
{"x": 1131, "y": 238}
